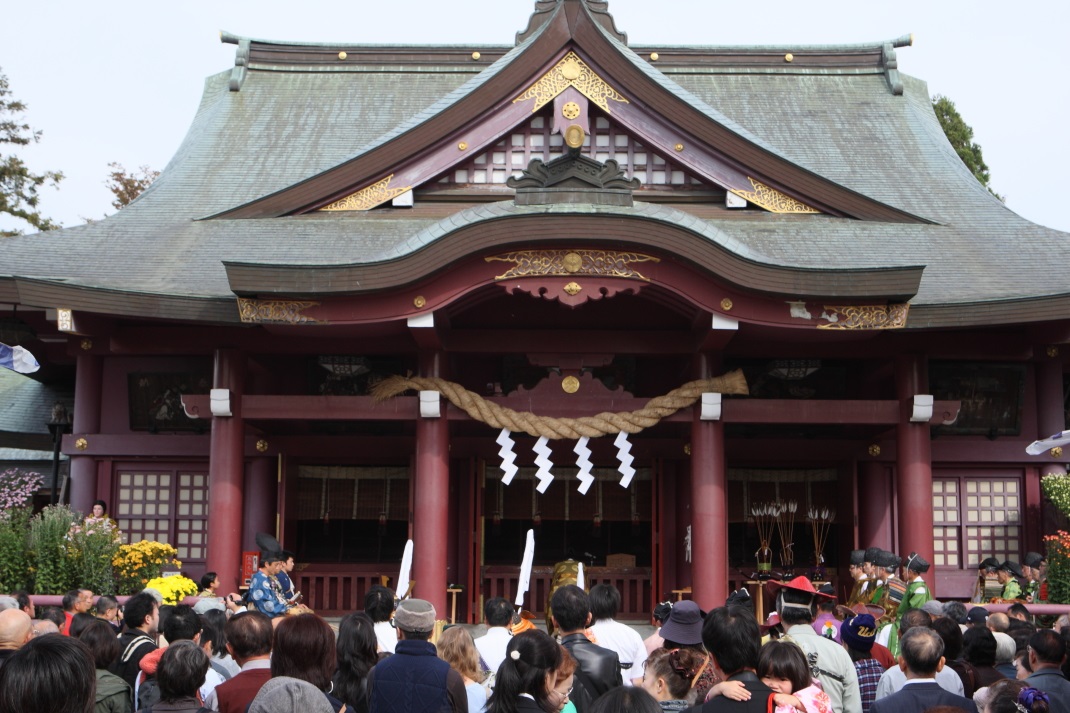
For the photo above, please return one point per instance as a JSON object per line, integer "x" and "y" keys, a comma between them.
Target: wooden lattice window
{"x": 976, "y": 517}
{"x": 168, "y": 505}
{"x": 509, "y": 156}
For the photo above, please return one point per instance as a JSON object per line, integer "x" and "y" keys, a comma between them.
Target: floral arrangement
{"x": 16, "y": 498}
{"x": 137, "y": 563}
{"x": 1057, "y": 489}
{"x": 174, "y": 589}
{"x": 92, "y": 545}
{"x": 1058, "y": 546}
{"x": 55, "y": 563}
{"x": 17, "y": 489}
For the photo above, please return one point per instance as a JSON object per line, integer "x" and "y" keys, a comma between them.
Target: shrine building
{"x": 556, "y": 231}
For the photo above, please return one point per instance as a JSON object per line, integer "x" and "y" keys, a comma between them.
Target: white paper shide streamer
{"x": 505, "y": 440}
{"x": 542, "y": 460}
{"x": 525, "y": 569}
{"x": 585, "y": 465}
{"x": 579, "y": 577}
{"x": 406, "y": 569}
{"x": 624, "y": 455}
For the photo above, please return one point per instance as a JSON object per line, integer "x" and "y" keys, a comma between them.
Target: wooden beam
{"x": 406, "y": 408}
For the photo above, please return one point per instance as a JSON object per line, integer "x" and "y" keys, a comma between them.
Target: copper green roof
{"x": 833, "y": 112}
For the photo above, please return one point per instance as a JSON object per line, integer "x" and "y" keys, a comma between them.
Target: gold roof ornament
{"x": 571, "y": 71}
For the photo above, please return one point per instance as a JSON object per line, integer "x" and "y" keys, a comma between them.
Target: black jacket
{"x": 598, "y": 670}
{"x": 918, "y": 697}
{"x": 758, "y": 703}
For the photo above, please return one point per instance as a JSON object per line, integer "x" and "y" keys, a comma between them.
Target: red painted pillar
{"x": 915, "y": 475}
{"x": 88, "y": 375}
{"x": 874, "y": 506}
{"x": 431, "y": 490}
{"x": 259, "y": 506}
{"x": 226, "y": 474}
{"x": 709, "y": 509}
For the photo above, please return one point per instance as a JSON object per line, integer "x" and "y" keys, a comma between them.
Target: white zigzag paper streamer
{"x": 505, "y": 440}
{"x": 585, "y": 464}
{"x": 624, "y": 455}
{"x": 543, "y": 461}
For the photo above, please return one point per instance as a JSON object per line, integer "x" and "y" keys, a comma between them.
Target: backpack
{"x": 148, "y": 694}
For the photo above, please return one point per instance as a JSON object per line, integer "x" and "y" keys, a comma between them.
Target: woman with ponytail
{"x": 525, "y": 681}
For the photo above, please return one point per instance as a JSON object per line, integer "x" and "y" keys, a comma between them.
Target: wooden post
{"x": 914, "y": 482}
{"x": 430, "y": 517}
{"x": 226, "y": 474}
{"x": 709, "y": 509}
{"x": 83, "y": 469}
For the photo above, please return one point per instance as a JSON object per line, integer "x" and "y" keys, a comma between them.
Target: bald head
{"x": 16, "y": 628}
{"x": 44, "y": 626}
{"x": 999, "y": 622}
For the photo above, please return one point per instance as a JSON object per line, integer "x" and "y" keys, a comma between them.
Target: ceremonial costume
{"x": 861, "y": 585}
{"x": 1011, "y": 588}
{"x": 917, "y": 592}
{"x": 266, "y": 595}
{"x": 987, "y": 586}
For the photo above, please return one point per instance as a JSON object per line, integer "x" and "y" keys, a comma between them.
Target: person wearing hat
{"x": 825, "y": 623}
{"x": 881, "y": 573}
{"x": 264, "y": 591}
{"x": 1031, "y": 569}
{"x": 859, "y": 633}
{"x": 869, "y": 564}
{"x": 683, "y": 630}
{"x": 829, "y": 663}
{"x": 856, "y": 568}
{"x": 917, "y": 593}
{"x": 986, "y": 580}
{"x": 415, "y": 679}
{"x": 1008, "y": 574}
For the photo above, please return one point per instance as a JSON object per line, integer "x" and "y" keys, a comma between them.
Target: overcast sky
{"x": 120, "y": 81}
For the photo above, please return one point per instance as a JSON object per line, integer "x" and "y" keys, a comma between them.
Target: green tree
{"x": 960, "y": 134}
{"x": 18, "y": 184}
{"x": 128, "y": 185}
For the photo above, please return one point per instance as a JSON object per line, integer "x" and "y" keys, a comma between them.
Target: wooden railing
{"x": 633, "y": 583}
{"x": 333, "y": 591}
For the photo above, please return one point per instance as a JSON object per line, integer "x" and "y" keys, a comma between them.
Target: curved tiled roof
{"x": 837, "y": 119}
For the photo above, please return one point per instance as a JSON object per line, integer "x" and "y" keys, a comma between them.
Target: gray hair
{"x": 8, "y": 603}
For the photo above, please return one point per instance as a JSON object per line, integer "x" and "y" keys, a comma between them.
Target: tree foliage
{"x": 128, "y": 185}
{"x": 960, "y": 134}
{"x": 19, "y": 185}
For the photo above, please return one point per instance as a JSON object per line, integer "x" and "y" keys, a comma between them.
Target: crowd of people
{"x": 877, "y": 652}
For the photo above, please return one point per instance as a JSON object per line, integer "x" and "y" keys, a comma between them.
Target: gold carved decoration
{"x": 419, "y": 302}
{"x": 789, "y": 57}
{"x": 463, "y": 146}
{"x": 81, "y": 444}
{"x": 571, "y": 71}
{"x": 342, "y": 55}
{"x": 773, "y": 200}
{"x": 476, "y": 55}
{"x": 1053, "y": 351}
{"x": 261, "y": 445}
{"x": 275, "y": 311}
{"x": 570, "y": 110}
{"x": 1057, "y": 452}
{"x": 572, "y": 288}
{"x": 874, "y": 450}
{"x": 679, "y": 147}
{"x": 575, "y": 136}
{"x": 726, "y": 304}
{"x": 601, "y": 263}
{"x": 570, "y": 384}
{"x": 369, "y": 197}
{"x": 86, "y": 344}
{"x": 892, "y": 316}
{"x": 654, "y": 57}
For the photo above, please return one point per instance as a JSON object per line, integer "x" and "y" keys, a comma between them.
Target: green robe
{"x": 916, "y": 595}
{"x": 1011, "y": 590}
